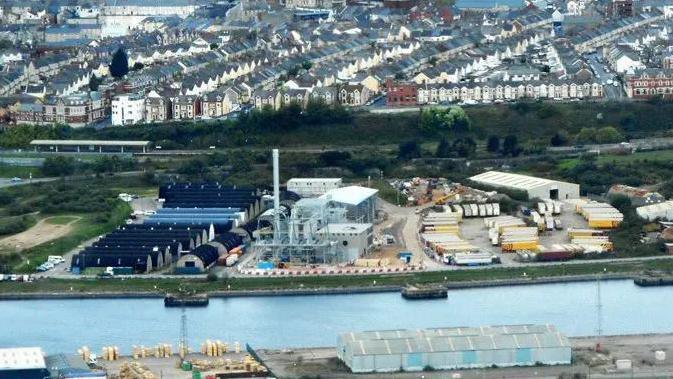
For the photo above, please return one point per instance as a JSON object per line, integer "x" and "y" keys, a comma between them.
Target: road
{"x": 611, "y": 91}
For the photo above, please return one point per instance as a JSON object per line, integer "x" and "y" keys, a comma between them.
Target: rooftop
{"x": 72, "y": 142}
{"x": 21, "y": 358}
{"x": 345, "y": 228}
{"x": 352, "y": 195}
{"x": 506, "y": 179}
{"x": 454, "y": 339}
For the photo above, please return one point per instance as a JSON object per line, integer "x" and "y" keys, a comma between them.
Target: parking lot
{"x": 474, "y": 231}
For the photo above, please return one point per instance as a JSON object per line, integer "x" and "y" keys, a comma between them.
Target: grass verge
{"x": 155, "y": 285}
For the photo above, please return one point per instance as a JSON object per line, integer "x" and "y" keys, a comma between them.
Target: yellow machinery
{"x": 443, "y": 199}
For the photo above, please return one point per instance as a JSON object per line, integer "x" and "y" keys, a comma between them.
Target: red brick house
{"x": 401, "y": 94}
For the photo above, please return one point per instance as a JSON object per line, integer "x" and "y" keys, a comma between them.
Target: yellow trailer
{"x": 604, "y": 224}
{"x": 519, "y": 245}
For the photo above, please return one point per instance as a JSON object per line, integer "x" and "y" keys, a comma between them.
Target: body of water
{"x": 303, "y": 321}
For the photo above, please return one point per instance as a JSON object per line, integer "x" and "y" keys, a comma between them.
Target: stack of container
{"x": 550, "y": 207}
{"x": 496, "y": 225}
{"x": 558, "y": 252}
{"x": 477, "y": 210}
{"x": 593, "y": 244}
{"x": 599, "y": 215}
{"x": 519, "y": 238}
{"x": 446, "y": 243}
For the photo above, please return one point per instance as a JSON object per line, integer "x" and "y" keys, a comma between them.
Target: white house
{"x": 128, "y": 109}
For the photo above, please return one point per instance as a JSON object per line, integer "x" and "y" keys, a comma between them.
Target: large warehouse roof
{"x": 22, "y": 358}
{"x": 506, "y": 179}
{"x": 72, "y": 142}
{"x": 352, "y": 195}
{"x": 452, "y": 339}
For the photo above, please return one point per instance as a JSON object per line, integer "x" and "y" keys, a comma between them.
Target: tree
{"x": 443, "y": 149}
{"x": 120, "y": 64}
{"x": 510, "y": 146}
{"x": 453, "y": 118}
{"x": 560, "y": 138}
{"x": 94, "y": 83}
{"x": 213, "y": 46}
{"x": 306, "y": 65}
{"x": 58, "y": 166}
{"x": 608, "y": 134}
{"x": 409, "y": 150}
{"x": 138, "y": 66}
{"x": 465, "y": 147}
{"x": 586, "y": 135}
{"x": 493, "y": 144}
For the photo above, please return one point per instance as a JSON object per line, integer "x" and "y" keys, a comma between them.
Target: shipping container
{"x": 472, "y": 259}
{"x": 482, "y": 210}
{"x": 550, "y": 256}
{"x": 496, "y": 209}
{"x": 467, "y": 210}
{"x": 489, "y": 209}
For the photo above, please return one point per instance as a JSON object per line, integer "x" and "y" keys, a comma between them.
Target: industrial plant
{"x": 335, "y": 227}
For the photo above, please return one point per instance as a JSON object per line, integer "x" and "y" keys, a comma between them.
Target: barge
{"x": 653, "y": 281}
{"x": 171, "y": 300}
{"x": 426, "y": 292}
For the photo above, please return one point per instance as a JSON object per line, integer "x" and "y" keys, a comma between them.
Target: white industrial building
{"x": 22, "y": 362}
{"x": 453, "y": 348}
{"x": 352, "y": 240}
{"x": 360, "y": 202}
{"x": 535, "y": 187}
{"x": 128, "y": 109}
{"x": 313, "y": 187}
{"x": 661, "y": 211}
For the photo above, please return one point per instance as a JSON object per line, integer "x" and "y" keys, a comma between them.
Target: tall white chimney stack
{"x": 276, "y": 195}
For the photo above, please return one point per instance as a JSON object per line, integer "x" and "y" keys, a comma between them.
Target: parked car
{"x": 16, "y": 179}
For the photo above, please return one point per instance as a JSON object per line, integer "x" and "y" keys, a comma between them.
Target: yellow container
{"x": 604, "y": 224}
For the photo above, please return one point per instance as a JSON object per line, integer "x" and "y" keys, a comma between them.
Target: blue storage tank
{"x": 265, "y": 265}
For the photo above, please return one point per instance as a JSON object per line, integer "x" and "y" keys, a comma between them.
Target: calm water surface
{"x": 301, "y": 321}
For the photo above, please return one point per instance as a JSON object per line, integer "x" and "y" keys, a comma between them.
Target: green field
{"x": 8, "y": 171}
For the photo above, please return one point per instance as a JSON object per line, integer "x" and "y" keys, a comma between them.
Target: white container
{"x": 623, "y": 364}
{"x": 660, "y": 355}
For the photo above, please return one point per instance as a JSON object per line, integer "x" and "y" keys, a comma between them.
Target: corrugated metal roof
{"x": 454, "y": 339}
{"x": 506, "y": 179}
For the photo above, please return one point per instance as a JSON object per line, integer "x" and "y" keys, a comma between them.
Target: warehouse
{"x": 534, "y": 187}
{"x": 360, "y": 202}
{"x": 211, "y": 196}
{"x": 89, "y": 146}
{"x": 453, "y": 348}
{"x": 140, "y": 247}
{"x": 23, "y": 363}
{"x": 313, "y": 187}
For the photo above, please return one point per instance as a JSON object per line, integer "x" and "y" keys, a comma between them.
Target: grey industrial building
{"x": 453, "y": 348}
{"x": 360, "y": 202}
{"x": 535, "y": 187}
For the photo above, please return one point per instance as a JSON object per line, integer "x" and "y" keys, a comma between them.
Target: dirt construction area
{"x": 45, "y": 230}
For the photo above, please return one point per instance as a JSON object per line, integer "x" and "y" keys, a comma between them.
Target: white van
{"x": 55, "y": 259}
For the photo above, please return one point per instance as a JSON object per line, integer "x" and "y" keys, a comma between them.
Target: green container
{"x": 196, "y": 374}
{"x": 186, "y": 366}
